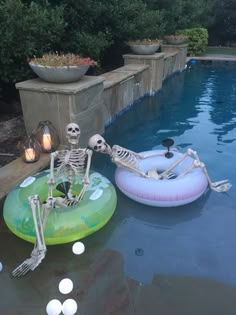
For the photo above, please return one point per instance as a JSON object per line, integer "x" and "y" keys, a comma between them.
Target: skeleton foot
{"x": 221, "y": 186}
{"x": 30, "y": 263}
{"x": 39, "y": 251}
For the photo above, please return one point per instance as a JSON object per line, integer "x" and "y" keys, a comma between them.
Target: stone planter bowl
{"x": 59, "y": 74}
{"x": 175, "y": 41}
{"x": 144, "y": 49}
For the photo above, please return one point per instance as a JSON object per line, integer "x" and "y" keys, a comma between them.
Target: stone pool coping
{"x": 213, "y": 58}
{"x": 14, "y": 172}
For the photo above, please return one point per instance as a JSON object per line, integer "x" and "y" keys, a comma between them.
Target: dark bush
{"x": 26, "y": 30}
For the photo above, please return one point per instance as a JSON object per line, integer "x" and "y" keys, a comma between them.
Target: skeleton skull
{"x": 98, "y": 144}
{"x": 73, "y": 133}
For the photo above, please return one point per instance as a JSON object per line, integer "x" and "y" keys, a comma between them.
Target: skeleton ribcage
{"x": 71, "y": 162}
{"x": 124, "y": 156}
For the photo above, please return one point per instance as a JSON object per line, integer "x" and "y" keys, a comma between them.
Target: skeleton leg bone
{"x": 39, "y": 251}
{"x": 220, "y": 186}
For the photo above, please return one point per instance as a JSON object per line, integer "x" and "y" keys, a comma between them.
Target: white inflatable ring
{"x": 162, "y": 193}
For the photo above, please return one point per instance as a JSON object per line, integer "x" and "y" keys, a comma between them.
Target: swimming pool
{"x": 197, "y": 109}
{"x": 177, "y": 260}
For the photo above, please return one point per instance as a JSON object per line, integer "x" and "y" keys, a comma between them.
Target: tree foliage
{"x": 223, "y": 31}
{"x": 99, "y": 28}
{"x": 26, "y": 30}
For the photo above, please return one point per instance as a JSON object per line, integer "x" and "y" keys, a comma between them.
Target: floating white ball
{"x": 69, "y": 307}
{"x": 1, "y": 266}
{"x": 78, "y": 248}
{"x": 54, "y": 307}
{"x": 65, "y": 286}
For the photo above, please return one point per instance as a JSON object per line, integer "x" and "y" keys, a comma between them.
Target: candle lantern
{"x": 30, "y": 149}
{"x": 47, "y": 136}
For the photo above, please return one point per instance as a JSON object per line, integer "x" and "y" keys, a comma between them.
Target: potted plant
{"x": 176, "y": 39}
{"x": 144, "y": 46}
{"x": 60, "y": 68}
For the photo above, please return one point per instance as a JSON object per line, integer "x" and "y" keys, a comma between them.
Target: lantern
{"x": 30, "y": 149}
{"x": 47, "y": 136}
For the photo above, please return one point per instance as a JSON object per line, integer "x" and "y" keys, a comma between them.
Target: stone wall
{"x": 93, "y": 102}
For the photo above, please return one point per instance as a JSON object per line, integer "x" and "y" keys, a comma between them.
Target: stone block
{"x": 155, "y": 63}
{"x": 122, "y": 87}
{"x": 170, "y": 64}
{"x": 181, "y": 54}
{"x": 63, "y": 103}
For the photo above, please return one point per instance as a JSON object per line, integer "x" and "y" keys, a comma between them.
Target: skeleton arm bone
{"x": 119, "y": 163}
{"x": 86, "y": 180}
{"x": 51, "y": 180}
{"x": 146, "y": 156}
{"x": 143, "y": 156}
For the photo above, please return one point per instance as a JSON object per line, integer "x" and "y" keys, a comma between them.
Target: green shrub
{"x": 198, "y": 40}
{"x": 26, "y": 30}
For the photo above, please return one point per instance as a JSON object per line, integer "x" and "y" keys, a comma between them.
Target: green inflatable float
{"x": 63, "y": 224}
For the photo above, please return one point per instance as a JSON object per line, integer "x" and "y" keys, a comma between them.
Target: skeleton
{"x": 120, "y": 156}
{"x": 71, "y": 163}
{"x": 125, "y": 158}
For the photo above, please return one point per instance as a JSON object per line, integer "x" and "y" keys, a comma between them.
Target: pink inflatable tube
{"x": 162, "y": 193}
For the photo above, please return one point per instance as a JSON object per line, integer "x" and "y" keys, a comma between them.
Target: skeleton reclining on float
{"x": 71, "y": 163}
{"x": 127, "y": 159}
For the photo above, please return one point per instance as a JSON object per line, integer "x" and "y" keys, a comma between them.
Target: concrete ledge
{"x": 212, "y": 58}
{"x": 39, "y": 85}
{"x": 144, "y": 57}
{"x": 121, "y": 74}
{"x": 16, "y": 171}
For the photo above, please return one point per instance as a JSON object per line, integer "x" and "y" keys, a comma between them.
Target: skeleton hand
{"x": 221, "y": 186}
{"x": 152, "y": 173}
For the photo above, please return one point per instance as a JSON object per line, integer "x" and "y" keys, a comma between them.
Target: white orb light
{"x": 54, "y": 307}
{"x": 69, "y": 307}
{"x": 65, "y": 286}
{"x": 78, "y": 248}
{"x": 1, "y": 266}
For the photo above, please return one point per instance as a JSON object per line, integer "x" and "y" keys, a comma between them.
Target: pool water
{"x": 197, "y": 109}
{"x": 150, "y": 260}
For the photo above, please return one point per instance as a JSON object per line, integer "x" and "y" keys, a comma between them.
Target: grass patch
{"x": 220, "y": 51}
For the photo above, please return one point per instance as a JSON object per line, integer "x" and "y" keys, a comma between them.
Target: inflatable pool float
{"x": 63, "y": 224}
{"x": 162, "y": 192}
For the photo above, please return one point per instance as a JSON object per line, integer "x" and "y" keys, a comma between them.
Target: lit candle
{"x": 29, "y": 155}
{"x": 47, "y": 141}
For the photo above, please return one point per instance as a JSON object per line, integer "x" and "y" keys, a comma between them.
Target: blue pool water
{"x": 197, "y": 109}
{"x": 185, "y": 256}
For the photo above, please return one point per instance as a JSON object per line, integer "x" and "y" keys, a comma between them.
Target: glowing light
{"x": 29, "y": 155}
{"x": 47, "y": 141}
{"x": 54, "y": 307}
{"x": 65, "y": 286}
{"x": 69, "y": 307}
{"x": 1, "y": 266}
{"x": 78, "y": 248}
